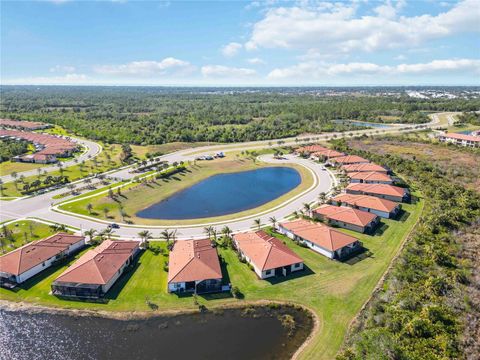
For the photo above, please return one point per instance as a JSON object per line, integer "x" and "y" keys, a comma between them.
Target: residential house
{"x": 364, "y": 167}
{"x": 193, "y": 266}
{"x": 460, "y": 139}
{"x": 268, "y": 255}
{"x": 371, "y": 177}
{"x": 27, "y": 261}
{"x": 383, "y": 191}
{"x": 347, "y": 218}
{"x": 321, "y": 238}
{"x": 348, "y": 159}
{"x": 381, "y": 207}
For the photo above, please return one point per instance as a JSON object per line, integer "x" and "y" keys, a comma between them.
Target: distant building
{"x": 347, "y": 218}
{"x": 310, "y": 149}
{"x": 95, "y": 272}
{"x": 381, "y": 207}
{"x": 460, "y": 139}
{"x": 268, "y": 255}
{"x": 371, "y": 177}
{"x": 194, "y": 266}
{"x": 23, "y": 125}
{"x": 27, "y": 261}
{"x": 383, "y": 191}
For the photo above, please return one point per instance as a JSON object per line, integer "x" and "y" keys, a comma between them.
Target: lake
{"x": 230, "y": 334}
{"x": 363, "y": 124}
{"x": 225, "y": 194}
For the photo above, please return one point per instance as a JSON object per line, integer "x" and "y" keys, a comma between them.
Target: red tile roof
{"x": 370, "y": 175}
{"x": 346, "y": 215}
{"x": 99, "y": 265}
{"x": 328, "y": 153}
{"x": 311, "y": 148}
{"x": 193, "y": 260}
{"x": 350, "y": 159}
{"x": 462, "y": 137}
{"x": 320, "y": 234}
{"x": 265, "y": 251}
{"x": 364, "y": 167}
{"x": 366, "y": 201}
{"x": 380, "y": 189}
{"x": 32, "y": 125}
{"x": 30, "y": 255}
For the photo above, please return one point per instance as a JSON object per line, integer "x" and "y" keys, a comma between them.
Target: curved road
{"x": 92, "y": 150}
{"x": 40, "y": 206}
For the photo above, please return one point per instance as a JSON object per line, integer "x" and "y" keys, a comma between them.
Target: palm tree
{"x": 307, "y": 208}
{"x": 166, "y": 235}
{"x": 273, "y": 220}
{"x": 108, "y": 232}
{"x": 90, "y": 233}
{"x": 89, "y": 208}
{"x": 105, "y": 211}
{"x": 145, "y": 235}
{"x": 226, "y": 231}
{"x": 1, "y": 187}
{"x": 322, "y": 197}
{"x": 258, "y": 223}
{"x": 208, "y": 231}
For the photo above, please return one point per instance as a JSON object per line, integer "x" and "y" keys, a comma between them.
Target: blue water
{"x": 466, "y": 132}
{"x": 225, "y": 194}
{"x": 362, "y": 123}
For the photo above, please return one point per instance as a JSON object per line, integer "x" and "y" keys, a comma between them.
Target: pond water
{"x": 232, "y": 334}
{"x": 363, "y": 124}
{"x": 225, "y": 194}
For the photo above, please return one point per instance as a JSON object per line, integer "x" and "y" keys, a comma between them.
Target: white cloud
{"x": 338, "y": 29}
{"x": 256, "y": 61}
{"x": 400, "y": 57}
{"x": 68, "y": 79}
{"x": 231, "y": 49}
{"x": 62, "y": 69}
{"x": 167, "y": 66}
{"x": 320, "y": 70}
{"x": 226, "y": 72}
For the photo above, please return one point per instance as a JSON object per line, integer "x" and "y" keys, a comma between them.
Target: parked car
{"x": 114, "y": 226}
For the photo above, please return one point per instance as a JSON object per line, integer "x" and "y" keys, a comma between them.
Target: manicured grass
{"x": 143, "y": 195}
{"x": 108, "y": 159}
{"x": 141, "y": 151}
{"x": 8, "y": 167}
{"x": 335, "y": 291}
{"x": 24, "y": 231}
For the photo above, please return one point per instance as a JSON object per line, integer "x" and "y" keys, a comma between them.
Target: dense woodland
{"x": 11, "y": 148}
{"x": 140, "y": 115}
{"x": 423, "y": 309}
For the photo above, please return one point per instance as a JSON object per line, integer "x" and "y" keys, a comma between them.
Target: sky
{"x": 240, "y": 43}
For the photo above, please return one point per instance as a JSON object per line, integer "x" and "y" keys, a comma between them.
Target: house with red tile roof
{"x": 364, "y": 167}
{"x": 383, "y": 191}
{"x": 194, "y": 266}
{"x": 347, "y": 218}
{"x": 370, "y": 177}
{"x": 309, "y": 149}
{"x": 327, "y": 154}
{"x": 460, "y": 139}
{"x": 95, "y": 272}
{"x": 348, "y": 159}
{"x": 268, "y": 255}
{"x": 321, "y": 238}
{"x": 27, "y": 261}
{"x": 23, "y": 125}
{"x": 381, "y": 207}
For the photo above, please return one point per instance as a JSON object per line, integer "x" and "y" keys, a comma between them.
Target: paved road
{"x": 39, "y": 206}
{"x": 92, "y": 150}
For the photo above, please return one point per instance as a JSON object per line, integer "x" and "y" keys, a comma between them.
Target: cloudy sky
{"x": 270, "y": 42}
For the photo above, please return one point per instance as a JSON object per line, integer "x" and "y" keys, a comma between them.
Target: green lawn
{"x": 141, "y": 151}
{"x": 144, "y": 195}
{"x": 24, "y": 231}
{"x": 108, "y": 159}
{"x": 335, "y": 291}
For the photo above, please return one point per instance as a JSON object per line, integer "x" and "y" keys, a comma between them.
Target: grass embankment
{"x": 8, "y": 167}
{"x": 141, "y": 151}
{"x": 108, "y": 159}
{"x": 335, "y": 291}
{"x": 22, "y": 232}
{"x": 142, "y": 196}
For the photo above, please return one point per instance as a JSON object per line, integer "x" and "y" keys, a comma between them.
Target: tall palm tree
{"x": 307, "y": 208}
{"x": 108, "y": 232}
{"x": 90, "y": 233}
{"x": 226, "y": 231}
{"x": 89, "y": 208}
{"x": 145, "y": 235}
{"x": 208, "y": 231}
{"x": 167, "y": 235}
{"x": 322, "y": 197}
{"x": 273, "y": 220}
{"x": 258, "y": 223}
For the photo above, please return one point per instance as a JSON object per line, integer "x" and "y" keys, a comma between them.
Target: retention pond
{"x": 225, "y": 194}
{"x": 251, "y": 333}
